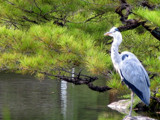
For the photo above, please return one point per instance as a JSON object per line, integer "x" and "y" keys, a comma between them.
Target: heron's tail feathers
{"x": 146, "y": 96}
{"x": 143, "y": 93}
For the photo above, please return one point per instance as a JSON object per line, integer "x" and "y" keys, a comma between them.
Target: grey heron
{"x": 130, "y": 69}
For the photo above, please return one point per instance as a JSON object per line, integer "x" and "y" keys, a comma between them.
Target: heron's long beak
{"x": 107, "y": 33}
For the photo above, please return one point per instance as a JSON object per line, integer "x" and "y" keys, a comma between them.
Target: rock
{"x": 122, "y": 107}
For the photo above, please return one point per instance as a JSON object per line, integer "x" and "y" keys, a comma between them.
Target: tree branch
{"x": 80, "y": 79}
{"x": 98, "y": 88}
{"x": 37, "y": 6}
{"x": 29, "y": 20}
{"x": 89, "y": 19}
{"x": 148, "y": 5}
{"x": 133, "y": 23}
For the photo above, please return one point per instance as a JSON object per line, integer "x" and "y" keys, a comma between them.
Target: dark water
{"x": 26, "y": 98}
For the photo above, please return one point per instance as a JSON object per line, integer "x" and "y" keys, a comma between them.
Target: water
{"x": 26, "y": 98}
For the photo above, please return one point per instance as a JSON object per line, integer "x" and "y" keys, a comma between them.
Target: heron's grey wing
{"x": 146, "y": 75}
{"x": 135, "y": 76}
{"x": 132, "y": 58}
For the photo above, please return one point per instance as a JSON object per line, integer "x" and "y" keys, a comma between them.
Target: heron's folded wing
{"x": 136, "y": 78}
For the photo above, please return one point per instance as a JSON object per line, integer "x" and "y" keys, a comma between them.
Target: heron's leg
{"x": 132, "y": 96}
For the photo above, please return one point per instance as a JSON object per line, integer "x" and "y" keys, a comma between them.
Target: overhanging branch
{"x": 133, "y": 23}
{"x": 80, "y": 79}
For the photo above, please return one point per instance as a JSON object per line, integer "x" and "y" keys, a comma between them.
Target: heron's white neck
{"x": 115, "y": 56}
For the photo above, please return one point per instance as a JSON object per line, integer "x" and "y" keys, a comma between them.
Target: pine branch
{"x": 80, "y": 79}
{"x": 98, "y": 88}
{"x": 29, "y": 20}
{"x": 37, "y": 6}
{"x": 97, "y": 15}
{"x": 148, "y": 5}
{"x": 134, "y": 23}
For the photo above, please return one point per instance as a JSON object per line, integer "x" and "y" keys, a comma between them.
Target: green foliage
{"x": 126, "y": 96}
{"x": 116, "y": 83}
{"x": 34, "y": 41}
{"x": 155, "y": 83}
{"x": 152, "y": 64}
{"x": 154, "y": 1}
{"x": 22, "y": 14}
{"x": 92, "y": 60}
{"x": 49, "y": 45}
{"x": 151, "y": 15}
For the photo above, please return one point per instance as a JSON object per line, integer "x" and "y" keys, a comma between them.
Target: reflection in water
{"x": 6, "y": 113}
{"x": 25, "y": 98}
{"x": 73, "y": 72}
{"x": 64, "y": 98}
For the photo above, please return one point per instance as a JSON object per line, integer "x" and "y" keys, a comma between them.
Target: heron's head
{"x": 113, "y": 32}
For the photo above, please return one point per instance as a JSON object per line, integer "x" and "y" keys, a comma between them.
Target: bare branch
{"x": 29, "y": 20}
{"x": 80, "y": 79}
{"x": 89, "y": 19}
{"x": 148, "y": 5}
{"x": 37, "y": 6}
{"x": 98, "y": 88}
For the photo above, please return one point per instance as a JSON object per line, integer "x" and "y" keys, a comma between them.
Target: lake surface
{"x": 24, "y": 97}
